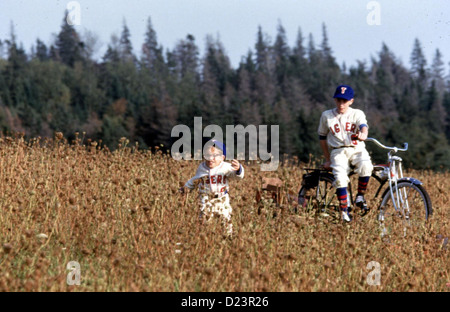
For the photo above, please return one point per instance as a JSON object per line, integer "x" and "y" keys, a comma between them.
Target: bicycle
{"x": 404, "y": 201}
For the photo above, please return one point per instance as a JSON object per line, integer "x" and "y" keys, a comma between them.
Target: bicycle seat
{"x": 381, "y": 170}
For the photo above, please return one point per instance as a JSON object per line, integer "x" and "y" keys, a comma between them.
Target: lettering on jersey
{"x": 217, "y": 179}
{"x": 349, "y": 127}
{"x": 336, "y": 129}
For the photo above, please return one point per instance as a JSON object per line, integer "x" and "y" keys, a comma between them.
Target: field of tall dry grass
{"x": 119, "y": 215}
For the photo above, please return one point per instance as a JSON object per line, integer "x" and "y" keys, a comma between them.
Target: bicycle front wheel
{"x": 407, "y": 208}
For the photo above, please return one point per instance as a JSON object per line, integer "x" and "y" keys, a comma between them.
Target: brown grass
{"x": 119, "y": 215}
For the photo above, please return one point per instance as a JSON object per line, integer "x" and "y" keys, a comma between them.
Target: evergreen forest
{"x": 141, "y": 93}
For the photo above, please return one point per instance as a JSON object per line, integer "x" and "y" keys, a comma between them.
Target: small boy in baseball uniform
{"x": 212, "y": 178}
{"x": 342, "y": 131}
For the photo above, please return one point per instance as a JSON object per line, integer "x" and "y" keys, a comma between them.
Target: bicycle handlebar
{"x": 395, "y": 149}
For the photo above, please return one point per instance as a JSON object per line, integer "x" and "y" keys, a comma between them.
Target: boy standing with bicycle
{"x": 342, "y": 131}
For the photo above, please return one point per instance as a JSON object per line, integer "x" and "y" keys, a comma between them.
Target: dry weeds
{"x": 119, "y": 215}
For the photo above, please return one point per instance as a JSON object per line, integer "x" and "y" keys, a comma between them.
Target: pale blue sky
{"x": 236, "y": 23}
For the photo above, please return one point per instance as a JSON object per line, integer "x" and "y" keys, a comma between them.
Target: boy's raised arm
{"x": 237, "y": 169}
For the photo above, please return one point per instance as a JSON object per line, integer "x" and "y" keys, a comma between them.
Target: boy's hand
{"x": 362, "y": 136}
{"x": 235, "y": 165}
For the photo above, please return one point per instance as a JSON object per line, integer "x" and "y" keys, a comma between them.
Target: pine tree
{"x": 152, "y": 57}
{"x": 246, "y": 110}
{"x": 218, "y": 63}
{"x": 437, "y": 72}
{"x": 384, "y": 80}
{"x": 68, "y": 44}
{"x": 41, "y": 51}
{"x": 323, "y": 74}
{"x": 211, "y": 85}
{"x": 186, "y": 58}
{"x": 325, "y": 48}
{"x": 330, "y": 73}
{"x": 262, "y": 48}
{"x": 183, "y": 65}
{"x": 299, "y": 49}
{"x": 281, "y": 55}
{"x": 125, "y": 46}
{"x": 264, "y": 77}
{"x": 418, "y": 63}
{"x": 311, "y": 50}
{"x": 15, "y": 74}
{"x": 299, "y": 62}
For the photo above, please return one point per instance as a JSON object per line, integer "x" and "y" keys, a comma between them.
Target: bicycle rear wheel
{"x": 413, "y": 209}
{"x": 321, "y": 197}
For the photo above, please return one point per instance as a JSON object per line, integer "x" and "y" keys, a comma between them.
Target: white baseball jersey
{"x": 338, "y": 128}
{"x": 214, "y": 180}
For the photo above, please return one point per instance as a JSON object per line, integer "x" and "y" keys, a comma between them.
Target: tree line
{"x": 141, "y": 95}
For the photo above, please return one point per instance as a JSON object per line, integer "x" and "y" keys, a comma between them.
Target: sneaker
{"x": 346, "y": 215}
{"x": 361, "y": 203}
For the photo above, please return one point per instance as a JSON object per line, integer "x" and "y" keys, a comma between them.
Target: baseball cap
{"x": 220, "y": 146}
{"x": 344, "y": 92}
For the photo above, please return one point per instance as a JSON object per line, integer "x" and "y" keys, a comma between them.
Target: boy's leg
{"x": 339, "y": 163}
{"x": 343, "y": 203}
{"x": 226, "y": 213}
{"x": 360, "y": 201}
{"x": 205, "y": 209}
{"x": 362, "y": 188}
{"x": 362, "y": 185}
{"x": 364, "y": 168}
{"x": 223, "y": 208}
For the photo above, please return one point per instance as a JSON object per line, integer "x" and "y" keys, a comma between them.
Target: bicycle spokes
{"x": 404, "y": 208}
